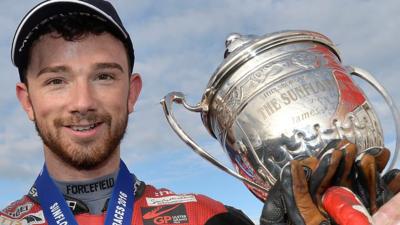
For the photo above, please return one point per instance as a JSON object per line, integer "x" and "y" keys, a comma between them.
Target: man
{"x": 75, "y": 61}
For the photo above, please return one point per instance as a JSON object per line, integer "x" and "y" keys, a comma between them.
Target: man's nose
{"x": 83, "y": 99}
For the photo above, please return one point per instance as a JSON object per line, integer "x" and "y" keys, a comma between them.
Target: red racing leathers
{"x": 152, "y": 207}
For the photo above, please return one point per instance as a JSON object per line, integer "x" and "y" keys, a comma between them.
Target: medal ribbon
{"x": 56, "y": 210}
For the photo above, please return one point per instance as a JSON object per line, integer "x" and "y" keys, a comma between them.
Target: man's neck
{"x": 61, "y": 171}
{"x": 92, "y": 194}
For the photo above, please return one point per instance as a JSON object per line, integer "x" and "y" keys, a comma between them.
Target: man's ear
{"x": 23, "y": 97}
{"x": 134, "y": 92}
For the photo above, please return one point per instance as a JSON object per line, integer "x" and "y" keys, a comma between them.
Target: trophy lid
{"x": 242, "y": 48}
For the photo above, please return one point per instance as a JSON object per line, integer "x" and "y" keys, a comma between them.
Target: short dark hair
{"x": 71, "y": 27}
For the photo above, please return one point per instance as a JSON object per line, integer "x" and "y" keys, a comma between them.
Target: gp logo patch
{"x": 167, "y": 214}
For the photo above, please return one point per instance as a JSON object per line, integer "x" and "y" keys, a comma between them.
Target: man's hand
{"x": 297, "y": 197}
{"x": 341, "y": 166}
{"x": 289, "y": 201}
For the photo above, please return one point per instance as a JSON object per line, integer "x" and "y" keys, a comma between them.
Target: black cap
{"x": 46, "y": 10}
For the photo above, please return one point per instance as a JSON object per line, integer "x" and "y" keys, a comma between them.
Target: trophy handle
{"x": 395, "y": 111}
{"x": 179, "y": 97}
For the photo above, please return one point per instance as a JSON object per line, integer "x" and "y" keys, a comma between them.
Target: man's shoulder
{"x": 24, "y": 211}
{"x": 162, "y": 203}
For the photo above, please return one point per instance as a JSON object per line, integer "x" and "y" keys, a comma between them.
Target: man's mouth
{"x": 83, "y": 128}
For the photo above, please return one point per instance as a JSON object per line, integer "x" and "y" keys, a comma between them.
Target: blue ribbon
{"x": 56, "y": 210}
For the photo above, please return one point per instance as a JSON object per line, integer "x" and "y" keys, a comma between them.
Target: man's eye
{"x": 55, "y": 82}
{"x": 105, "y": 76}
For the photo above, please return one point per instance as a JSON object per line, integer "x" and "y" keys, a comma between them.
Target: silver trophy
{"x": 281, "y": 96}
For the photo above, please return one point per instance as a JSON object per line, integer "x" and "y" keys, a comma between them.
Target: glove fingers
{"x": 381, "y": 157}
{"x": 323, "y": 175}
{"x": 368, "y": 174}
{"x": 300, "y": 206}
{"x": 345, "y": 175}
{"x": 309, "y": 165}
{"x": 392, "y": 180}
{"x": 274, "y": 209}
{"x": 370, "y": 163}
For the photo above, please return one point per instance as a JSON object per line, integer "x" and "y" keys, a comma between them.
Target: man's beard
{"x": 81, "y": 156}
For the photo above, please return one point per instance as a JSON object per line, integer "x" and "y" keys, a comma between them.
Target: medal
{"x": 56, "y": 210}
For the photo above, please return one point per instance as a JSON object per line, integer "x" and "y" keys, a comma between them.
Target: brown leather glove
{"x": 297, "y": 197}
{"x": 289, "y": 201}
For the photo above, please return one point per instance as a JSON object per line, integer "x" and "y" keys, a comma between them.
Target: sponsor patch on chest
{"x": 169, "y": 200}
{"x": 18, "y": 211}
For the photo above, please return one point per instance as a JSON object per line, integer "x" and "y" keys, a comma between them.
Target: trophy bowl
{"x": 278, "y": 97}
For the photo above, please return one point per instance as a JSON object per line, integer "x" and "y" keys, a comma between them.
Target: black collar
{"x": 77, "y": 206}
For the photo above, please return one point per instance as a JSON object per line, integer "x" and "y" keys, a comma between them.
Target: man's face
{"x": 79, "y": 95}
